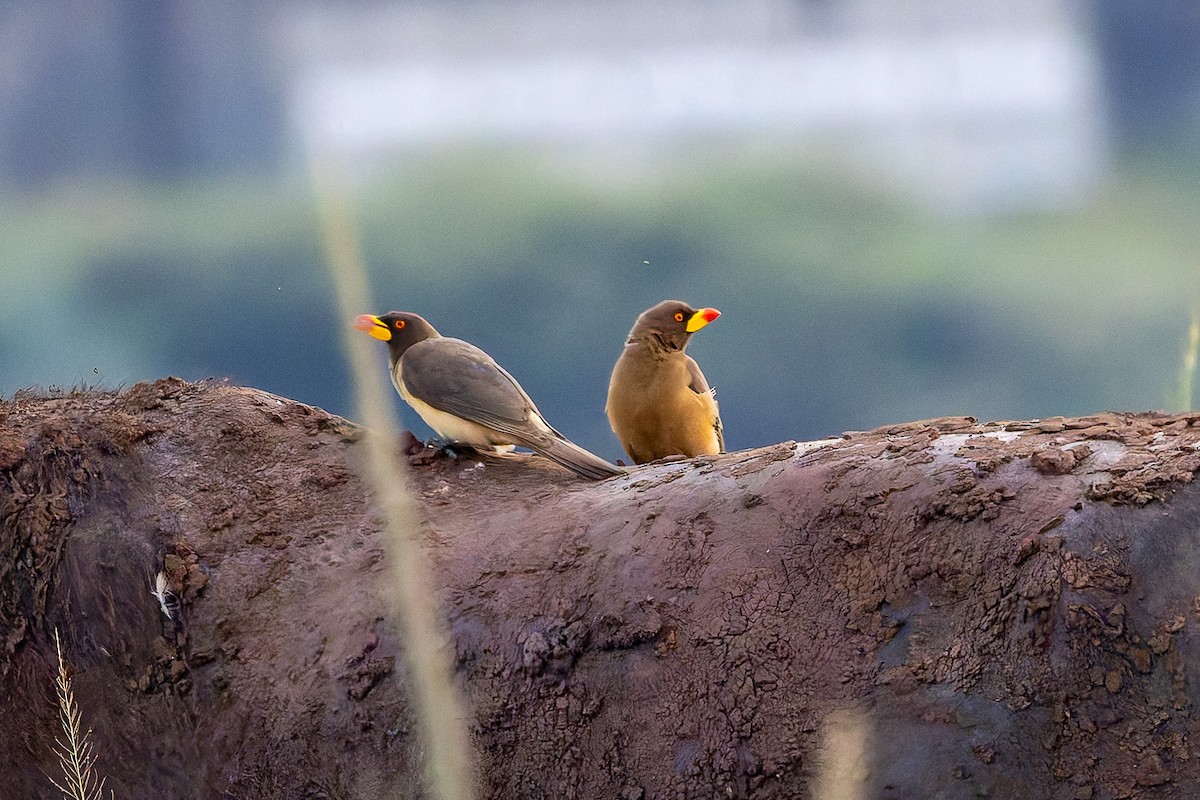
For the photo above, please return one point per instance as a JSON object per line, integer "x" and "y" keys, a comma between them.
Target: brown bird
{"x": 659, "y": 404}
{"x": 467, "y": 398}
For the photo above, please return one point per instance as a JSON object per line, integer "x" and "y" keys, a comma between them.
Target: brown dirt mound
{"x": 1002, "y": 610}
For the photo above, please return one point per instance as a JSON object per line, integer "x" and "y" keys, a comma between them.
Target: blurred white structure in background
{"x": 973, "y": 107}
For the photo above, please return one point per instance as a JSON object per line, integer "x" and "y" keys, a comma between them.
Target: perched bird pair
{"x": 658, "y": 401}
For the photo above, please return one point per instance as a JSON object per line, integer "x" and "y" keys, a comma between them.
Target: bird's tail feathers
{"x": 575, "y": 458}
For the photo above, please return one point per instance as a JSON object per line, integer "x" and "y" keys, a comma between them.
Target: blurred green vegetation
{"x": 844, "y": 307}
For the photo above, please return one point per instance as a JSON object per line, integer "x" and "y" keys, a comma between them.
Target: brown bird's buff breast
{"x": 665, "y": 417}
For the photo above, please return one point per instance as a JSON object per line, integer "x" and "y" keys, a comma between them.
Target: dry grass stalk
{"x": 442, "y": 719}
{"x": 75, "y": 754}
{"x": 1187, "y": 377}
{"x": 844, "y": 763}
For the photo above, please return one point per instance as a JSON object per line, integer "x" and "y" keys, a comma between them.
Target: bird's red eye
{"x": 399, "y": 324}
{"x": 679, "y": 316}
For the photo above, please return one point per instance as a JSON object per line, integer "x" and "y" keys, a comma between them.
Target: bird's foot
{"x": 670, "y": 459}
{"x": 436, "y": 449}
{"x": 454, "y": 450}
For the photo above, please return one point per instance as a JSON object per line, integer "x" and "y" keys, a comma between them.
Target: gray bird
{"x": 467, "y": 398}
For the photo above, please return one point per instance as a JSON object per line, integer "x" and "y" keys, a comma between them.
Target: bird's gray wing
{"x": 700, "y": 386}
{"x": 697, "y": 384}
{"x": 457, "y": 377}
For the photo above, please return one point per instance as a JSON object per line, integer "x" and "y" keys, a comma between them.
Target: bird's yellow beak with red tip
{"x": 374, "y": 326}
{"x": 701, "y": 318}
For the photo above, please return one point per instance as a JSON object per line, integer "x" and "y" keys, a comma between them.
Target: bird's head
{"x": 400, "y": 329}
{"x": 670, "y": 324}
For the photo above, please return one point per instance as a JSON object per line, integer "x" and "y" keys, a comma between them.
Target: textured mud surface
{"x": 1005, "y": 610}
